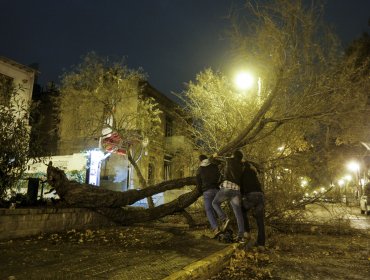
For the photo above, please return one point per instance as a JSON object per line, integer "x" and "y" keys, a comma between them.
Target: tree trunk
{"x": 142, "y": 180}
{"x": 90, "y": 196}
{"x": 127, "y": 216}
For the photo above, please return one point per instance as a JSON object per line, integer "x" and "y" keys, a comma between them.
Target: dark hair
{"x": 202, "y": 157}
{"x": 238, "y": 155}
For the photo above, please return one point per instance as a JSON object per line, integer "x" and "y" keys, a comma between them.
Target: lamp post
{"x": 355, "y": 168}
{"x": 245, "y": 81}
{"x": 347, "y": 178}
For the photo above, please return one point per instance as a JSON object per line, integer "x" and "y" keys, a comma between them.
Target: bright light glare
{"x": 244, "y": 80}
{"x": 96, "y": 155}
{"x": 304, "y": 183}
{"x": 348, "y": 177}
{"x": 353, "y": 166}
{"x": 341, "y": 182}
{"x": 281, "y": 148}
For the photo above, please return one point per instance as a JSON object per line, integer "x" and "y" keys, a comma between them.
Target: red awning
{"x": 112, "y": 144}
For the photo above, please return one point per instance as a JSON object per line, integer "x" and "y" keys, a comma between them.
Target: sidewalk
{"x": 136, "y": 252}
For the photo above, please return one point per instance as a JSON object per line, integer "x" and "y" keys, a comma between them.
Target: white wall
{"x": 76, "y": 161}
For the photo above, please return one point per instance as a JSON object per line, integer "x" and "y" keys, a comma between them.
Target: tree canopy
{"x": 104, "y": 97}
{"x": 306, "y": 98}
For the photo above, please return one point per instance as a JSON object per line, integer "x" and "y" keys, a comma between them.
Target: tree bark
{"x": 90, "y": 196}
{"x": 127, "y": 216}
{"x": 141, "y": 178}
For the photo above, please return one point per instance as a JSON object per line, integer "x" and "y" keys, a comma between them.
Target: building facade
{"x": 168, "y": 156}
{"x": 17, "y": 77}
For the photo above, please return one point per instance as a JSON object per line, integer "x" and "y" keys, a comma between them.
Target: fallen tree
{"x": 296, "y": 111}
{"x": 111, "y": 203}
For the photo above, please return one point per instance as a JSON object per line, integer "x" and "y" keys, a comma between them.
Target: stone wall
{"x": 15, "y": 223}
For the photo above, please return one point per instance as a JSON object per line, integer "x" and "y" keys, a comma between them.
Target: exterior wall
{"x": 16, "y": 223}
{"x": 72, "y": 129}
{"x": 23, "y": 79}
{"x": 71, "y": 139}
{"x": 68, "y": 162}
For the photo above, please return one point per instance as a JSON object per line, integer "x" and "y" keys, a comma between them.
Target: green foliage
{"x": 99, "y": 97}
{"x": 305, "y": 96}
{"x": 308, "y": 98}
{"x": 217, "y": 109}
{"x": 76, "y": 175}
{"x": 14, "y": 138}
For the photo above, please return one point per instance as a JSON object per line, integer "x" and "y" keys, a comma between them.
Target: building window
{"x": 181, "y": 172}
{"x": 167, "y": 168}
{"x": 150, "y": 174}
{"x": 168, "y": 127}
{"x": 6, "y": 88}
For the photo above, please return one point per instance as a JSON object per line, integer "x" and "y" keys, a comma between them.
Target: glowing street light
{"x": 244, "y": 80}
{"x": 353, "y": 166}
{"x": 348, "y": 177}
{"x": 341, "y": 183}
{"x": 281, "y": 148}
{"x": 304, "y": 183}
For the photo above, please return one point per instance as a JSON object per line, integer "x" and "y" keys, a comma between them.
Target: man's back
{"x": 250, "y": 181}
{"x": 233, "y": 170}
{"x": 208, "y": 175}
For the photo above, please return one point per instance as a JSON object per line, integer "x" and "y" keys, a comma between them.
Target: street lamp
{"x": 341, "y": 183}
{"x": 355, "y": 168}
{"x": 304, "y": 183}
{"x": 244, "y": 80}
{"x": 347, "y": 178}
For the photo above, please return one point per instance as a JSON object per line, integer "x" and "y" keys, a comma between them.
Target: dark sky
{"x": 171, "y": 40}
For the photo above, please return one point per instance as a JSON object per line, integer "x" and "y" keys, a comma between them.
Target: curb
{"x": 204, "y": 268}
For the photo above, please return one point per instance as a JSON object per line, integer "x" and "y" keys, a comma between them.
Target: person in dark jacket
{"x": 253, "y": 198}
{"x": 230, "y": 191}
{"x": 208, "y": 176}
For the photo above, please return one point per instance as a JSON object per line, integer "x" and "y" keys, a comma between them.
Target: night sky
{"x": 172, "y": 40}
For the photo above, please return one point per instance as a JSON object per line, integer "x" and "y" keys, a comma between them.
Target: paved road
{"x": 112, "y": 253}
{"x": 328, "y": 211}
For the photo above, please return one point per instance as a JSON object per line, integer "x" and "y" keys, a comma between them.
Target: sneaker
{"x": 225, "y": 224}
{"x": 216, "y": 232}
{"x": 259, "y": 248}
{"x": 247, "y": 236}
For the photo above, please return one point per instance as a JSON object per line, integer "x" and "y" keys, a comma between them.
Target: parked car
{"x": 365, "y": 204}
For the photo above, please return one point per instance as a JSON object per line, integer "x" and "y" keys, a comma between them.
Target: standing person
{"x": 253, "y": 198}
{"x": 230, "y": 191}
{"x": 208, "y": 176}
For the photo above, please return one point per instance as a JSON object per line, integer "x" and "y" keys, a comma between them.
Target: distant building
{"x": 161, "y": 160}
{"x": 17, "y": 76}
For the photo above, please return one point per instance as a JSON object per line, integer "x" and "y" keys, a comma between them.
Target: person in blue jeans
{"x": 253, "y": 198}
{"x": 230, "y": 191}
{"x": 208, "y": 176}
